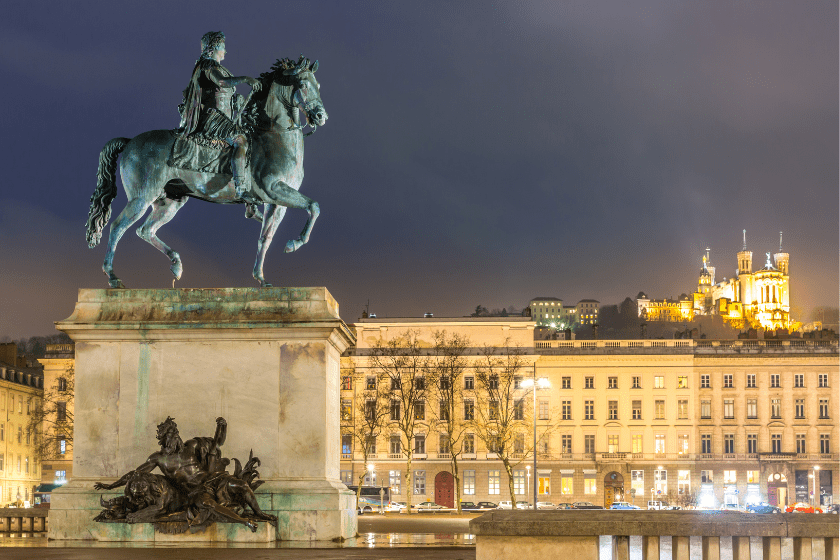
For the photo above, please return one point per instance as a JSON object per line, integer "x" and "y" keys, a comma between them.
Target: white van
{"x": 505, "y": 505}
{"x": 660, "y": 504}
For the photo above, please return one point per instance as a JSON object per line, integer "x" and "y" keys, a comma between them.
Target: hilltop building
{"x": 750, "y": 299}
{"x": 550, "y": 312}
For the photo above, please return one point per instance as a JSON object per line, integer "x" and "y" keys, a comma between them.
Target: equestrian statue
{"x": 227, "y": 150}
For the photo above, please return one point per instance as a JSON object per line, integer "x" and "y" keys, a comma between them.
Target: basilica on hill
{"x": 750, "y": 299}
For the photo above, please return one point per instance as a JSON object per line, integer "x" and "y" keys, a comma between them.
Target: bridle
{"x": 301, "y": 101}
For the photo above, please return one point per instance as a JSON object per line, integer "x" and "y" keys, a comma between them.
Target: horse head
{"x": 307, "y": 91}
{"x": 294, "y": 85}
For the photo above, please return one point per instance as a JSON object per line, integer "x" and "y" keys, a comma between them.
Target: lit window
{"x": 589, "y": 483}
{"x": 682, "y": 382}
{"x": 493, "y": 478}
{"x": 566, "y": 483}
{"x": 682, "y": 409}
{"x": 395, "y": 481}
{"x": 659, "y": 410}
{"x": 420, "y": 482}
{"x": 659, "y": 382}
{"x": 469, "y": 482}
{"x": 659, "y": 441}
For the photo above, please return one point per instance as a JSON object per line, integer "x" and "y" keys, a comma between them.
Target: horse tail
{"x": 106, "y": 190}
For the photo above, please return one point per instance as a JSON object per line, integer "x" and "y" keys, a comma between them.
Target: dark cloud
{"x": 476, "y": 152}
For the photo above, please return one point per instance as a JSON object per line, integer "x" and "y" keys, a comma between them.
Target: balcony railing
{"x": 684, "y": 346}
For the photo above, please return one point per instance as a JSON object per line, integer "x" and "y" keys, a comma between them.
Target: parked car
{"x": 488, "y": 505}
{"x": 762, "y": 508}
{"x": 395, "y": 506}
{"x": 505, "y": 504}
{"x": 833, "y": 508}
{"x": 564, "y": 505}
{"x": 802, "y": 507}
{"x": 545, "y": 505}
{"x": 522, "y": 504}
{"x": 623, "y": 505}
{"x": 469, "y": 506}
{"x": 586, "y": 505}
{"x": 660, "y": 504}
{"x": 729, "y": 507}
{"x": 429, "y": 506}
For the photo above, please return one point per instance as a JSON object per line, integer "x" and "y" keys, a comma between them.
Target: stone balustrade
{"x": 680, "y": 535}
{"x": 23, "y": 520}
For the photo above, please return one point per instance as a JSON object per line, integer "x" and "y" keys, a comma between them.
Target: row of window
{"x": 20, "y": 433}
{"x": 22, "y": 464}
{"x": 565, "y": 382}
{"x": 612, "y": 382}
{"x": 567, "y": 481}
{"x": 775, "y": 381}
{"x": 752, "y": 408}
{"x": 752, "y": 443}
{"x": 20, "y": 403}
{"x": 637, "y": 444}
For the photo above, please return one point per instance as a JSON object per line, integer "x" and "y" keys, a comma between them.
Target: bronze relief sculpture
{"x": 228, "y": 150}
{"x": 194, "y": 490}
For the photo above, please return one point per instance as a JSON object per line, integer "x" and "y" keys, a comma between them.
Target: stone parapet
{"x": 577, "y": 534}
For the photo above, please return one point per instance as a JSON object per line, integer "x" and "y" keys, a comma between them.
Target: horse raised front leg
{"x": 271, "y": 220}
{"x": 294, "y": 244}
{"x": 130, "y": 214}
{"x": 163, "y": 211}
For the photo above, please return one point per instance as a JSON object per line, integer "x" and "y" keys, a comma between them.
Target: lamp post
{"x": 816, "y": 485}
{"x": 542, "y": 384}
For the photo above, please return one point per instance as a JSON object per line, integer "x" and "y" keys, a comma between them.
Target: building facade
{"x": 699, "y": 423}
{"x": 550, "y": 312}
{"x": 57, "y": 463}
{"x": 20, "y": 389}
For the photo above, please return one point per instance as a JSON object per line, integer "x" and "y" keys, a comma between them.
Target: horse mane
{"x": 251, "y": 113}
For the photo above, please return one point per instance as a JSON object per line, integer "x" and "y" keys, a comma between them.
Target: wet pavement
{"x": 381, "y": 537}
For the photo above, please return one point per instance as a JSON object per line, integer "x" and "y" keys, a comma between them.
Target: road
{"x": 415, "y": 523}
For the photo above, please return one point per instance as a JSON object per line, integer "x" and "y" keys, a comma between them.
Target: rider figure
{"x": 208, "y": 104}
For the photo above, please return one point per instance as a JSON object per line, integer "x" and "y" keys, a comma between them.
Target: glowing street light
{"x": 534, "y": 384}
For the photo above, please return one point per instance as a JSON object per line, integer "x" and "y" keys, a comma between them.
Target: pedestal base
{"x": 265, "y": 359}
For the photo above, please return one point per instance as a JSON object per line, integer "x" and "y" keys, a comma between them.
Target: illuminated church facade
{"x": 757, "y": 299}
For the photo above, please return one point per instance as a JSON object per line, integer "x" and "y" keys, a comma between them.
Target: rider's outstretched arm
{"x": 231, "y": 81}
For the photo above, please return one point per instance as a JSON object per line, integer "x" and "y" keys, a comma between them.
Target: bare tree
{"x": 447, "y": 365}
{"x": 503, "y": 412}
{"x": 371, "y": 407}
{"x": 51, "y": 419}
{"x": 399, "y": 363}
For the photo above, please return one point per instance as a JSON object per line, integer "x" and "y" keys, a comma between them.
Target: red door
{"x": 445, "y": 489}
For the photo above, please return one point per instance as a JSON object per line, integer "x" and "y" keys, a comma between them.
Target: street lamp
{"x": 816, "y": 485}
{"x": 528, "y": 475}
{"x": 535, "y": 384}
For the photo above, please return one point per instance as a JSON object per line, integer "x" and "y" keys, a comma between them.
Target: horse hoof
{"x": 293, "y": 245}
{"x": 116, "y": 283}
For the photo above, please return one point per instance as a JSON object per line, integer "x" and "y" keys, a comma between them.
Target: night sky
{"x": 476, "y": 152}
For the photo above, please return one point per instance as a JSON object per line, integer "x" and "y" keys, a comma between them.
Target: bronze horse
{"x": 276, "y": 167}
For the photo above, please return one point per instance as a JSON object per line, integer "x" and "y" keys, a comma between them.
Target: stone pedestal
{"x": 266, "y": 359}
